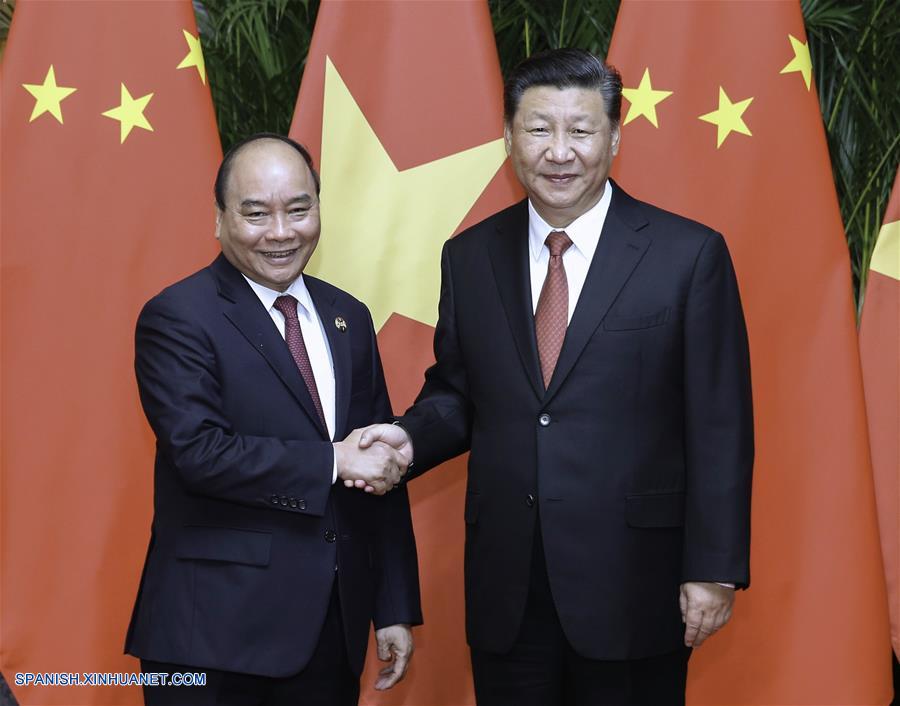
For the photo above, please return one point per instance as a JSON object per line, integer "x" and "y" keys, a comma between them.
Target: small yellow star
{"x": 643, "y": 100}
{"x": 886, "y": 256}
{"x": 48, "y": 96}
{"x": 194, "y": 56}
{"x": 801, "y": 61}
{"x": 130, "y": 113}
{"x": 728, "y": 117}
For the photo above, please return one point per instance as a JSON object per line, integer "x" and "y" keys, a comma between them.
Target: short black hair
{"x": 228, "y": 159}
{"x": 564, "y": 68}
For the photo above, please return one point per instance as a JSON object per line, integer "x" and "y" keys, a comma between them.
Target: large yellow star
{"x": 194, "y": 56}
{"x": 728, "y": 117}
{"x": 643, "y": 100}
{"x": 383, "y": 229}
{"x": 48, "y": 96}
{"x": 130, "y": 113}
{"x": 801, "y": 61}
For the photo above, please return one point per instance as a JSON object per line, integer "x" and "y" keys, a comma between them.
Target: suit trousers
{"x": 542, "y": 669}
{"x": 327, "y": 680}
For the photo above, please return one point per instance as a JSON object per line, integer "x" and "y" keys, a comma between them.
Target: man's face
{"x": 270, "y": 225}
{"x": 561, "y": 145}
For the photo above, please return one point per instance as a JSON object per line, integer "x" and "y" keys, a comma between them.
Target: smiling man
{"x": 591, "y": 354}
{"x": 263, "y": 571}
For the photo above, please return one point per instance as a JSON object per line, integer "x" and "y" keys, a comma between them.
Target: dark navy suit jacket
{"x": 638, "y": 456}
{"x": 249, "y": 533}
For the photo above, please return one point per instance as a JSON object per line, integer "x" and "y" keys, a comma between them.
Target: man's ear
{"x": 616, "y": 138}
{"x": 507, "y": 138}
{"x": 218, "y": 222}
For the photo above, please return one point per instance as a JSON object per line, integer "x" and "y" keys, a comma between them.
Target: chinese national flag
{"x": 109, "y": 152}
{"x": 401, "y": 106}
{"x": 879, "y": 343}
{"x": 721, "y": 123}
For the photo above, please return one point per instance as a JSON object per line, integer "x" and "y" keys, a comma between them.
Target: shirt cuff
{"x": 334, "y": 473}
{"x": 723, "y": 585}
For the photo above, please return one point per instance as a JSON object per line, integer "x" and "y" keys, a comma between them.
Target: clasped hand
{"x": 374, "y": 458}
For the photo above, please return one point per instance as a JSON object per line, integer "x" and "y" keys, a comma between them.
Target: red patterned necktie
{"x": 552, "y": 314}
{"x": 287, "y": 305}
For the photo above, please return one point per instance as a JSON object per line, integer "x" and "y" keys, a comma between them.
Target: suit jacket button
{"x": 301, "y": 504}
{"x": 274, "y": 499}
{"x": 293, "y": 502}
{"x": 529, "y": 501}
{"x": 330, "y": 536}
{"x": 284, "y": 500}
{"x": 544, "y": 420}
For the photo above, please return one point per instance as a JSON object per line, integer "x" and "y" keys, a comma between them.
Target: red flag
{"x": 721, "y": 123}
{"x": 109, "y": 153}
{"x": 879, "y": 343}
{"x": 401, "y": 104}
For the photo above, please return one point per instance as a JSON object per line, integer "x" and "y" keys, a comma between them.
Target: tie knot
{"x": 558, "y": 242}
{"x": 287, "y": 305}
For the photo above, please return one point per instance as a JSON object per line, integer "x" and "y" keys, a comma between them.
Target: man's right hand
{"x": 374, "y": 436}
{"x": 376, "y": 467}
{"x": 390, "y": 434}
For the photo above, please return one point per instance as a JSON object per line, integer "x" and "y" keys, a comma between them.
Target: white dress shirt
{"x": 584, "y": 232}
{"x": 313, "y": 337}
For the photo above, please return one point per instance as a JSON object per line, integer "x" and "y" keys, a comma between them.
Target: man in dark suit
{"x": 591, "y": 354}
{"x": 262, "y": 571}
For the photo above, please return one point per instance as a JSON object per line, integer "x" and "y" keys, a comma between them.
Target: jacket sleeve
{"x": 440, "y": 421}
{"x": 718, "y": 423}
{"x": 397, "y": 598}
{"x": 180, "y": 389}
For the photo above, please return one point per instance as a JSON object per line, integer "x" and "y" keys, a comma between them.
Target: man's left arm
{"x": 718, "y": 443}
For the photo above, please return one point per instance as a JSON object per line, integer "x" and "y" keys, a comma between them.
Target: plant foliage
{"x": 855, "y": 48}
{"x": 525, "y": 27}
{"x": 255, "y": 51}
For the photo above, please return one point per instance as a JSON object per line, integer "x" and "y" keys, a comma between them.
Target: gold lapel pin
{"x": 340, "y": 324}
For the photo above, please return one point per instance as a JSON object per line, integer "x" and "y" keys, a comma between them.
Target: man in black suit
{"x": 591, "y": 354}
{"x": 262, "y": 571}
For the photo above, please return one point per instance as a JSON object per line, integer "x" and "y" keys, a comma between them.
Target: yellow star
{"x": 48, "y": 96}
{"x": 643, "y": 100}
{"x": 886, "y": 256}
{"x": 801, "y": 61}
{"x": 728, "y": 117}
{"x": 382, "y": 229}
{"x": 194, "y": 56}
{"x": 130, "y": 113}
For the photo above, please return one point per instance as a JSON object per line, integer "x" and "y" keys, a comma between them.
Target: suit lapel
{"x": 619, "y": 250}
{"x": 339, "y": 343}
{"x": 243, "y": 308}
{"x": 508, "y": 248}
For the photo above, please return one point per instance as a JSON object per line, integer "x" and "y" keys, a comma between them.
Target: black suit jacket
{"x": 247, "y": 527}
{"x": 638, "y": 456}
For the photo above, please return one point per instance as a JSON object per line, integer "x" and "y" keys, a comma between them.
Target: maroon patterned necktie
{"x": 287, "y": 305}
{"x": 552, "y": 314}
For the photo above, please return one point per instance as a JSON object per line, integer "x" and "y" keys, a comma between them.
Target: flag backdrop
{"x": 401, "y": 105}
{"x": 879, "y": 342}
{"x": 109, "y": 152}
{"x": 721, "y": 123}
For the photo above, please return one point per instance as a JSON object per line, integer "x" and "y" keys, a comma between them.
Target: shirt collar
{"x": 584, "y": 231}
{"x": 297, "y": 290}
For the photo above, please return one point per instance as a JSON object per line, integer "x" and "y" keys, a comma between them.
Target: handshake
{"x": 374, "y": 458}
